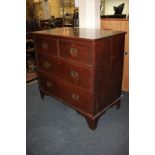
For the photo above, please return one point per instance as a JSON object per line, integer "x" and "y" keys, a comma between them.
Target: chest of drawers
{"x": 82, "y": 68}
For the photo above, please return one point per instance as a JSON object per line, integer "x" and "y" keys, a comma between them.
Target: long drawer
{"x": 71, "y": 72}
{"x": 73, "y": 96}
{"x": 76, "y": 50}
{"x": 47, "y": 63}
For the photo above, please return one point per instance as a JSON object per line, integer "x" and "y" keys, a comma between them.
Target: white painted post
{"x": 89, "y": 14}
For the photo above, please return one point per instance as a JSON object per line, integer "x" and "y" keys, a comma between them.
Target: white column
{"x": 89, "y": 14}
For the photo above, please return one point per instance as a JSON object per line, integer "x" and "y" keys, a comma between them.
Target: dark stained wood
{"x": 92, "y": 123}
{"x": 47, "y": 63}
{"x": 76, "y": 33}
{"x": 73, "y": 95}
{"x": 82, "y": 68}
{"x": 108, "y": 70}
{"x": 118, "y": 104}
{"x": 46, "y": 45}
{"x": 76, "y": 50}
{"x": 42, "y": 94}
{"x": 70, "y": 72}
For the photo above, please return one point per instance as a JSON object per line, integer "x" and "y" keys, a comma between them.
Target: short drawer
{"x": 46, "y": 45}
{"x": 76, "y": 50}
{"x": 77, "y": 98}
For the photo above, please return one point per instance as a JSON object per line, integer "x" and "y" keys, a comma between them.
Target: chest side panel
{"x": 109, "y": 53}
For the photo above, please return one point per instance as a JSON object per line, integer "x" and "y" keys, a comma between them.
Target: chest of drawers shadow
{"x": 82, "y": 68}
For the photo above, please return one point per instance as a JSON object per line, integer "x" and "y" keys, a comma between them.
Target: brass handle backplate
{"x": 75, "y": 97}
{"x": 74, "y": 74}
{"x": 49, "y": 84}
{"x": 45, "y": 45}
{"x": 46, "y": 64}
{"x": 73, "y": 51}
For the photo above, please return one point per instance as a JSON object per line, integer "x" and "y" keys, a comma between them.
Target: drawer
{"x": 77, "y": 98}
{"x": 47, "y": 63}
{"x": 72, "y": 73}
{"x": 49, "y": 83}
{"x": 75, "y": 74}
{"x": 76, "y": 50}
{"x": 46, "y": 45}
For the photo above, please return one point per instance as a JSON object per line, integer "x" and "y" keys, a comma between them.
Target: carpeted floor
{"x": 55, "y": 129}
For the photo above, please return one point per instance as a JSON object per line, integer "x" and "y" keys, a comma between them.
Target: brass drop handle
{"x": 74, "y": 74}
{"x": 73, "y": 51}
{"x": 46, "y": 64}
{"x": 75, "y": 97}
{"x": 49, "y": 84}
{"x": 45, "y": 45}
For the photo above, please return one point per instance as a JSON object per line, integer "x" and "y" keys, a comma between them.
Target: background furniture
{"x": 31, "y": 73}
{"x": 58, "y": 22}
{"x": 45, "y": 24}
{"x": 81, "y": 67}
{"x": 120, "y": 25}
{"x": 68, "y": 18}
{"x": 67, "y": 7}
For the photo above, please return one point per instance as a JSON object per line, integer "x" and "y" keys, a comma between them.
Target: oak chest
{"x": 82, "y": 68}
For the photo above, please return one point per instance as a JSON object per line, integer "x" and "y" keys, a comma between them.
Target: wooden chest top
{"x": 79, "y": 33}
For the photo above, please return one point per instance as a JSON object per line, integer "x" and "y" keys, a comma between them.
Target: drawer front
{"x": 76, "y": 50}
{"x": 46, "y": 45}
{"x": 47, "y": 63}
{"x": 49, "y": 84}
{"x": 72, "y": 73}
{"x": 75, "y": 97}
{"x": 75, "y": 74}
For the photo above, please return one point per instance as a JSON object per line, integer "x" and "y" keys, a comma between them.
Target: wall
{"x": 55, "y": 8}
{"x": 46, "y": 14}
{"x": 110, "y": 3}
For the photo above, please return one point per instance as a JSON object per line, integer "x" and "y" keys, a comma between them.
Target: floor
{"x": 55, "y": 129}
